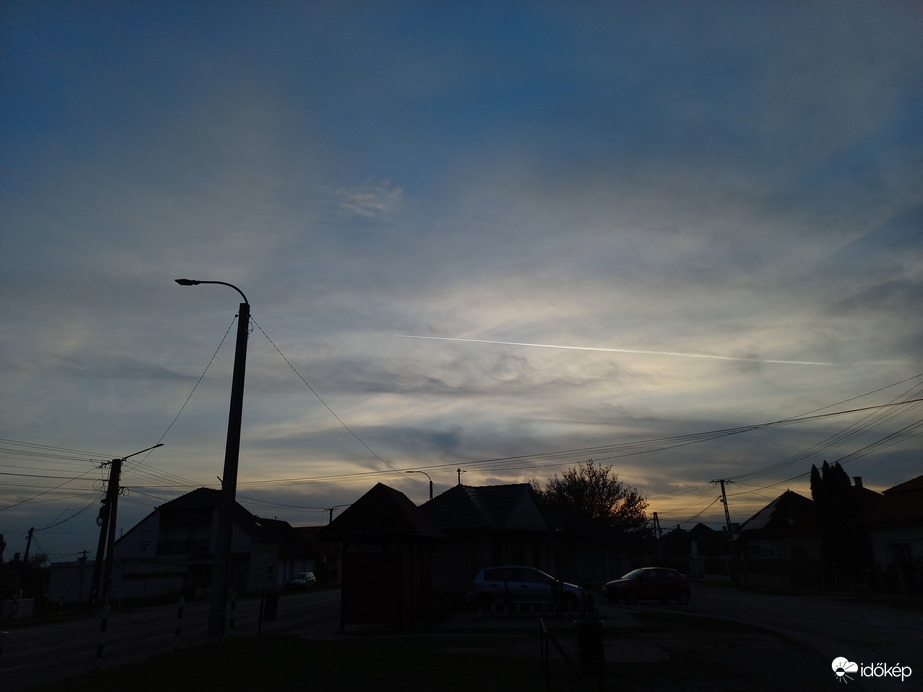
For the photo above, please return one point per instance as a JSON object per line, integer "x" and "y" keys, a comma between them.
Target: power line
{"x": 314, "y": 392}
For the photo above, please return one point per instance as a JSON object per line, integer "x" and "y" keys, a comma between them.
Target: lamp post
{"x": 216, "y": 613}
{"x": 430, "y": 482}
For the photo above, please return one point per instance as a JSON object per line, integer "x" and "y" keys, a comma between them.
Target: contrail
{"x": 614, "y": 350}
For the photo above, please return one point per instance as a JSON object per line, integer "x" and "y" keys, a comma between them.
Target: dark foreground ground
{"x": 664, "y": 652}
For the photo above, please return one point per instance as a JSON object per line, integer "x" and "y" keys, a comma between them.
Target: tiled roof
{"x": 486, "y": 507}
{"x": 899, "y": 505}
{"x": 790, "y": 513}
{"x": 914, "y": 485}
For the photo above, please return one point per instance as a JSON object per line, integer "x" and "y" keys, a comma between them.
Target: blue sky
{"x": 735, "y": 181}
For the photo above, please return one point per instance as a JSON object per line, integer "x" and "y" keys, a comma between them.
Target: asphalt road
{"x": 862, "y": 631}
{"x": 33, "y": 654}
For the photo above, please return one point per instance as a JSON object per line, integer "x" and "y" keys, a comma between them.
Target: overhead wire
{"x": 318, "y": 396}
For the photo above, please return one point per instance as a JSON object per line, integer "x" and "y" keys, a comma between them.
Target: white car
{"x": 520, "y": 584}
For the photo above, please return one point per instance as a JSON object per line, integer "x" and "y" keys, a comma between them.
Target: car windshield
{"x": 634, "y": 574}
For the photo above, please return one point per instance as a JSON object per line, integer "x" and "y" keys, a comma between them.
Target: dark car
{"x": 301, "y": 581}
{"x": 520, "y": 584}
{"x": 648, "y": 583}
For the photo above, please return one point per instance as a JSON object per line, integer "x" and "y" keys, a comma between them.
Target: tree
{"x": 597, "y": 493}
{"x": 837, "y": 508}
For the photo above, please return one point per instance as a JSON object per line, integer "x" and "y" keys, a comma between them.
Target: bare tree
{"x": 595, "y": 492}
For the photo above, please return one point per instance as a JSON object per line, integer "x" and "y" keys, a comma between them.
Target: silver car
{"x": 520, "y": 584}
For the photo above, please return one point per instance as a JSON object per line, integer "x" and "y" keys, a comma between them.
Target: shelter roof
{"x": 382, "y": 512}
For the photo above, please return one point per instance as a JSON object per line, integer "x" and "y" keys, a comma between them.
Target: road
{"x": 33, "y": 654}
{"x": 861, "y": 631}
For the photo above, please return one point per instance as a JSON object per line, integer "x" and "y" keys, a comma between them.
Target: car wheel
{"x": 631, "y": 597}
{"x": 683, "y": 598}
{"x": 484, "y": 601}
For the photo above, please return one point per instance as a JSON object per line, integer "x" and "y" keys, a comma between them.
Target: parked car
{"x": 301, "y": 581}
{"x": 648, "y": 583}
{"x": 514, "y": 583}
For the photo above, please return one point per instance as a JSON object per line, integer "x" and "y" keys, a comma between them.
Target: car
{"x": 301, "y": 581}
{"x": 648, "y": 583}
{"x": 520, "y": 584}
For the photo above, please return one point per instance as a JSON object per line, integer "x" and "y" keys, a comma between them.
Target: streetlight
{"x": 216, "y": 613}
{"x": 430, "y": 482}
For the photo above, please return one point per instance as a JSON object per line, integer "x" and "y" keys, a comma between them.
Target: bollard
{"x": 592, "y": 649}
{"x": 179, "y": 622}
{"x": 3, "y": 637}
{"x": 231, "y": 617}
{"x": 103, "y": 626}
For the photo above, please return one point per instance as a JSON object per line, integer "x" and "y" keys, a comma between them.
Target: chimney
{"x": 857, "y": 480}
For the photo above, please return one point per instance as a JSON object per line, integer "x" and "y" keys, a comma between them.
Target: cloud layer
{"x": 738, "y": 182}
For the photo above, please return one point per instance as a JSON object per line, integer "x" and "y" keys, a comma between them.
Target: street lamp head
{"x": 195, "y": 282}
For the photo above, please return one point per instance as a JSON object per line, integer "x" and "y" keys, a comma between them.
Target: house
{"x": 171, "y": 551}
{"x": 700, "y": 552}
{"x": 877, "y": 546}
{"x": 485, "y": 526}
{"x": 589, "y": 553}
{"x": 386, "y": 555}
{"x": 777, "y": 546}
{"x": 895, "y": 531}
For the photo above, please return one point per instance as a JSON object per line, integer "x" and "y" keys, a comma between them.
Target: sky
{"x": 486, "y": 241}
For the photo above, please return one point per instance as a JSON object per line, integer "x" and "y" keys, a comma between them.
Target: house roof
{"x": 901, "y": 504}
{"x": 259, "y": 529}
{"x": 382, "y": 512}
{"x": 293, "y": 542}
{"x": 508, "y": 507}
{"x": 790, "y": 513}
{"x": 914, "y": 485}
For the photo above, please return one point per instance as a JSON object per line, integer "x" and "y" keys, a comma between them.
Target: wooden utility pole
{"x": 735, "y": 577}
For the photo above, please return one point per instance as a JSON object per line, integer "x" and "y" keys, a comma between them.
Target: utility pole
{"x": 460, "y": 472}
{"x": 99, "y": 589}
{"x": 331, "y": 510}
{"x": 727, "y": 520}
{"x": 724, "y": 501}
{"x": 112, "y": 493}
{"x": 657, "y": 535}
{"x": 28, "y": 546}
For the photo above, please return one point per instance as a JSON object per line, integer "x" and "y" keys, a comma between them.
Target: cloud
{"x": 370, "y": 200}
{"x": 603, "y": 177}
